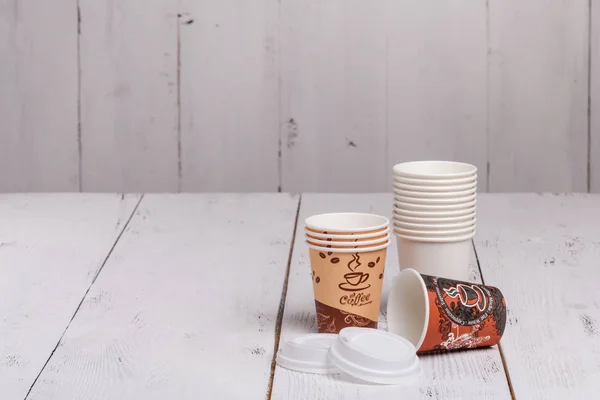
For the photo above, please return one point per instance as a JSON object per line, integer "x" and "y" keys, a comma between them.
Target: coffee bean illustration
{"x": 380, "y": 276}
{"x": 318, "y": 279}
{"x": 371, "y": 264}
{"x": 377, "y": 261}
{"x": 335, "y": 260}
{"x": 322, "y": 255}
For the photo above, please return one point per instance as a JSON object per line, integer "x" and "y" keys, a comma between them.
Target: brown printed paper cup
{"x": 444, "y": 314}
{"x": 347, "y": 287}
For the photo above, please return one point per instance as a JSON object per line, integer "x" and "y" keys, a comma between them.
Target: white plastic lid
{"x": 308, "y": 353}
{"x": 376, "y": 356}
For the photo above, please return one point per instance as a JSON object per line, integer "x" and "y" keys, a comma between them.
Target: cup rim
{"x": 350, "y": 250}
{"x": 434, "y": 195}
{"x": 338, "y": 222}
{"x": 346, "y": 244}
{"x": 435, "y": 182}
{"x": 432, "y": 220}
{"x": 434, "y": 214}
{"x": 434, "y": 233}
{"x": 425, "y": 298}
{"x": 447, "y": 239}
{"x": 435, "y": 189}
{"x": 359, "y": 236}
{"x": 437, "y": 207}
{"x": 434, "y": 201}
{"x": 433, "y": 227}
{"x": 434, "y": 169}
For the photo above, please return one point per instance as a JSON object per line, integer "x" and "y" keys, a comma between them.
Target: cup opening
{"x": 408, "y": 307}
{"x": 344, "y": 222}
{"x": 434, "y": 169}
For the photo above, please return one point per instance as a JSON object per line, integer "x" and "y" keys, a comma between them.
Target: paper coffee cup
{"x": 436, "y": 188}
{"x": 347, "y": 286}
{"x": 448, "y": 257}
{"x": 435, "y": 182}
{"x": 434, "y": 170}
{"x": 346, "y": 223}
{"x": 347, "y": 238}
{"x": 347, "y": 244}
{"x": 439, "y": 314}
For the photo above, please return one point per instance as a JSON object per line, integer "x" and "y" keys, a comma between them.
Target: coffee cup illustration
{"x": 355, "y": 281}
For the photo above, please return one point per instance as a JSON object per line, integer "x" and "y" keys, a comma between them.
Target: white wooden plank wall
{"x": 538, "y": 95}
{"x": 594, "y": 134}
{"x": 229, "y": 95}
{"x": 436, "y": 82}
{"x": 333, "y": 96}
{"x": 38, "y": 96}
{"x": 296, "y": 95}
{"x": 128, "y": 61}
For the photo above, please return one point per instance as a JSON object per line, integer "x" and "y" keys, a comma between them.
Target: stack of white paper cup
{"x": 434, "y": 216}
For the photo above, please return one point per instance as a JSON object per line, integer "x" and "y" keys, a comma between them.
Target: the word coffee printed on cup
{"x": 444, "y": 314}
{"x": 347, "y": 287}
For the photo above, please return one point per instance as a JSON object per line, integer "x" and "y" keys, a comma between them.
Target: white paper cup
{"x": 435, "y": 182}
{"x": 432, "y": 208}
{"x": 460, "y": 213}
{"x": 399, "y": 223}
{"x": 435, "y": 195}
{"x": 327, "y": 243}
{"x": 434, "y": 201}
{"x": 346, "y": 223}
{"x": 350, "y": 249}
{"x": 437, "y": 257}
{"x": 436, "y": 188}
{"x": 433, "y": 220}
{"x": 347, "y": 237}
{"x": 434, "y": 170}
{"x": 435, "y": 233}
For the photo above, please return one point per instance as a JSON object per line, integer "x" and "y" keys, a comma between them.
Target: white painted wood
{"x": 230, "y": 95}
{"x": 538, "y": 95}
{"x": 38, "y": 96}
{"x": 437, "y": 82}
{"x": 129, "y": 100}
{"x": 595, "y": 98}
{"x": 186, "y": 306}
{"x": 51, "y": 248}
{"x": 333, "y": 101}
{"x": 542, "y": 252}
{"x": 470, "y": 374}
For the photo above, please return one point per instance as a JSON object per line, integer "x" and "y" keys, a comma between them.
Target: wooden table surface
{"x": 186, "y": 296}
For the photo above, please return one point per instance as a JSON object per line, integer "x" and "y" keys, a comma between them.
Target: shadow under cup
{"x": 444, "y": 314}
{"x": 347, "y": 287}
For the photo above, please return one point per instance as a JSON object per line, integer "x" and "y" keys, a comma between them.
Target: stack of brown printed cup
{"x": 347, "y": 257}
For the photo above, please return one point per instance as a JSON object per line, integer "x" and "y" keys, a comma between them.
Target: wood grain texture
{"x": 460, "y": 375}
{"x": 538, "y": 95}
{"x": 129, "y": 111}
{"x": 38, "y": 96}
{"x": 185, "y": 307}
{"x": 542, "y": 252}
{"x": 333, "y": 131}
{"x": 594, "y": 138}
{"x": 437, "y": 74}
{"x": 51, "y": 248}
{"x": 230, "y": 95}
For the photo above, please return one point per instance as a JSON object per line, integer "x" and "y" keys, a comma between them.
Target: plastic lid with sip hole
{"x": 308, "y": 353}
{"x": 377, "y": 356}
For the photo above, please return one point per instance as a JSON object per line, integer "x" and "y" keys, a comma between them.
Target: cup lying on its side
{"x": 435, "y": 313}
{"x": 347, "y": 285}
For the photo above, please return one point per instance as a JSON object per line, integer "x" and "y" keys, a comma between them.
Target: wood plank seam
{"x": 179, "y": 165}
{"x": 589, "y": 100}
{"x": 86, "y": 292}
{"x": 279, "y": 321}
{"x": 79, "y": 138}
{"x": 510, "y": 387}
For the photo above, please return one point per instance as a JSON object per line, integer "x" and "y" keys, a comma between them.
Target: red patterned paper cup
{"x": 444, "y": 314}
